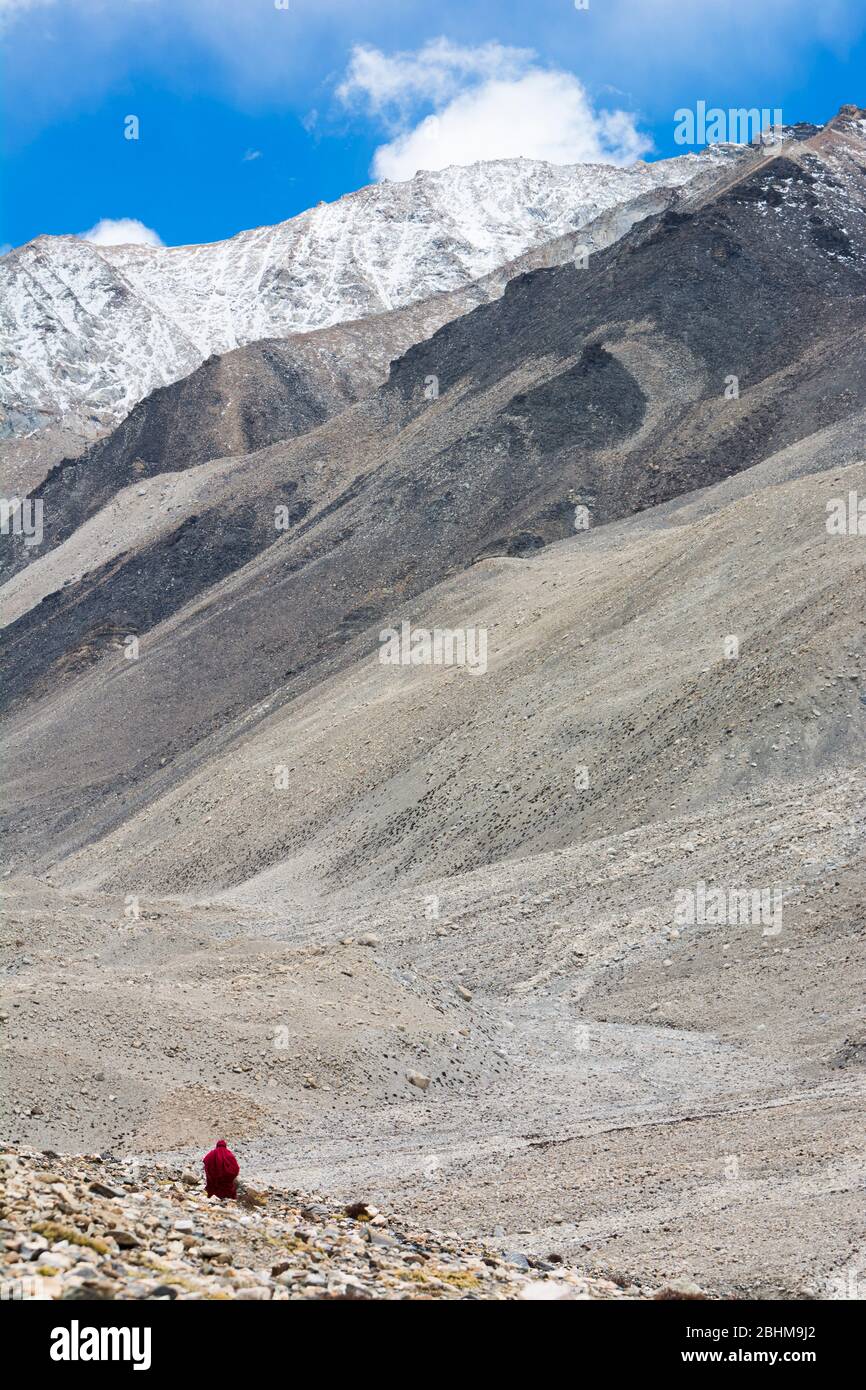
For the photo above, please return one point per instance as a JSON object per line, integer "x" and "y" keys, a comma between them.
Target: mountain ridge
{"x": 92, "y": 329}
{"x": 602, "y": 387}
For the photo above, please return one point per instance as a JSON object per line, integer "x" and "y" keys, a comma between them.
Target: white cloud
{"x": 121, "y": 231}
{"x": 436, "y": 72}
{"x": 9, "y": 9}
{"x": 251, "y": 155}
{"x": 490, "y": 102}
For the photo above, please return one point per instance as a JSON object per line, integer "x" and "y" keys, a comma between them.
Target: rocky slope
{"x": 89, "y": 330}
{"x": 95, "y": 1228}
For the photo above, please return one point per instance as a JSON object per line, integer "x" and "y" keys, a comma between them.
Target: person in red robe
{"x": 221, "y": 1169}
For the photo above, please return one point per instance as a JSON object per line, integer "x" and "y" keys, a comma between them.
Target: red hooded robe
{"x": 221, "y": 1168}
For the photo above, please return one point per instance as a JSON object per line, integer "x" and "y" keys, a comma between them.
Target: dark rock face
{"x": 230, "y": 405}
{"x": 75, "y": 625}
{"x": 591, "y": 405}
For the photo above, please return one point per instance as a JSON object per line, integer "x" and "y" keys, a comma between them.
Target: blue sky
{"x": 249, "y": 112}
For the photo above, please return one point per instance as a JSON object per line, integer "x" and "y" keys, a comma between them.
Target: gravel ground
{"x": 91, "y": 1228}
{"x": 652, "y": 1103}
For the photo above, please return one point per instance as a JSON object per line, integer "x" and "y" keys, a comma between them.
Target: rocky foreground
{"x": 94, "y": 1227}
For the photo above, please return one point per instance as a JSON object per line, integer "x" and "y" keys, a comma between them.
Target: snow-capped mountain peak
{"x": 89, "y": 330}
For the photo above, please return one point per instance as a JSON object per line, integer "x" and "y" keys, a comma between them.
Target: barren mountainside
{"x": 411, "y": 933}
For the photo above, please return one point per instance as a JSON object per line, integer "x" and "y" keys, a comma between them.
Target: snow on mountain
{"x": 89, "y": 330}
